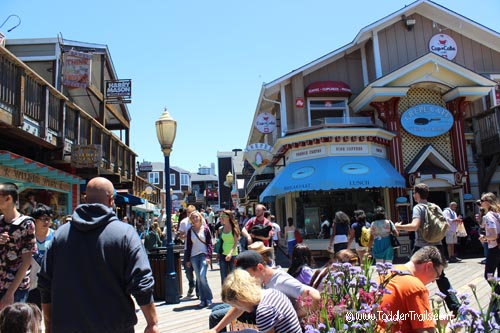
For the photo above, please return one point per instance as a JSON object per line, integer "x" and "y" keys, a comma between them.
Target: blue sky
{"x": 206, "y": 60}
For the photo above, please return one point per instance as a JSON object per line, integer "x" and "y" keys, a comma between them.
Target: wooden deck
{"x": 186, "y": 317}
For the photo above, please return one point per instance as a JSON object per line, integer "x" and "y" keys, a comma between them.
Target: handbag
{"x": 461, "y": 230}
{"x": 394, "y": 240}
{"x": 218, "y": 243}
{"x": 298, "y": 236}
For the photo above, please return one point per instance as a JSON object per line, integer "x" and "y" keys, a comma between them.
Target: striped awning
{"x": 29, "y": 173}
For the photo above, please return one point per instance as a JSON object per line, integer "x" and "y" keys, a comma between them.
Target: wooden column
{"x": 457, "y": 136}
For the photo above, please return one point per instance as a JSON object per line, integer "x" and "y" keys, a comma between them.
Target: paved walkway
{"x": 186, "y": 317}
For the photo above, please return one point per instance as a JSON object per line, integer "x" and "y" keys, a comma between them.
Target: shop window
{"x": 323, "y": 110}
{"x": 154, "y": 177}
{"x": 184, "y": 179}
{"x": 172, "y": 179}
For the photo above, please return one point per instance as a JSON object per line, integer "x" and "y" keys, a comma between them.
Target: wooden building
{"x": 411, "y": 99}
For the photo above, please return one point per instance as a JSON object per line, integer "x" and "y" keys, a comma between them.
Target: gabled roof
{"x": 430, "y": 161}
{"x": 453, "y": 79}
{"x": 180, "y": 170}
{"x": 426, "y": 8}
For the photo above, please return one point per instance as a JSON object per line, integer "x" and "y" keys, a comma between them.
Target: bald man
{"x": 93, "y": 266}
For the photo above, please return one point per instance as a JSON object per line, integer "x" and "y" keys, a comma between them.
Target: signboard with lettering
{"x": 427, "y": 120}
{"x": 443, "y": 45}
{"x": 302, "y": 154}
{"x": 258, "y": 155}
{"x": 88, "y": 156}
{"x": 352, "y": 149}
{"x": 76, "y": 69}
{"x": 265, "y": 123}
{"x": 145, "y": 167}
{"x": 118, "y": 91}
{"x": 28, "y": 177}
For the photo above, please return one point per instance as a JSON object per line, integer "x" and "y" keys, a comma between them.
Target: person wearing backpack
{"x": 360, "y": 234}
{"x": 418, "y": 224}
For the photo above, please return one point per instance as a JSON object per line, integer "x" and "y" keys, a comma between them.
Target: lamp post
{"x": 166, "y": 127}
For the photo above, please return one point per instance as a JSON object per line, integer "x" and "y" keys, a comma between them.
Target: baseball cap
{"x": 249, "y": 259}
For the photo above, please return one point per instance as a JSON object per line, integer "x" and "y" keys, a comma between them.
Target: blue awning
{"x": 333, "y": 172}
{"x": 120, "y": 199}
{"x": 130, "y": 199}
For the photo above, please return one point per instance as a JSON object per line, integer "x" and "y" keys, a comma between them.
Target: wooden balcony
{"x": 487, "y": 130}
{"x": 39, "y": 122}
{"x": 140, "y": 185}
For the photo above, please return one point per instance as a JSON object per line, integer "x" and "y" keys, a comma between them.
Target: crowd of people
{"x": 41, "y": 269}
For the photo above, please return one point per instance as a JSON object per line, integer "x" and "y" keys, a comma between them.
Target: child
{"x": 21, "y": 318}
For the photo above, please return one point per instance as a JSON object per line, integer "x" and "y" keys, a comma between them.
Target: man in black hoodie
{"x": 93, "y": 266}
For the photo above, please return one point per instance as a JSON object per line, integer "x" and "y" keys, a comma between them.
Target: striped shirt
{"x": 275, "y": 311}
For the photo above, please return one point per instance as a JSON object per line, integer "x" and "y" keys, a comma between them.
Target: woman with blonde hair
{"x": 198, "y": 255}
{"x": 273, "y": 310}
{"x": 229, "y": 235}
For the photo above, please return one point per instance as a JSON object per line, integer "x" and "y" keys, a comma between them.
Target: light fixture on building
{"x": 409, "y": 22}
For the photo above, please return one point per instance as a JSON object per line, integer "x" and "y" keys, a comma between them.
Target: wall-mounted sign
{"x": 443, "y": 45}
{"x": 302, "y": 154}
{"x": 118, "y": 91}
{"x": 33, "y": 178}
{"x": 352, "y": 149}
{"x": 258, "y": 155}
{"x": 299, "y": 103}
{"x": 265, "y": 123}
{"x": 427, "y": 120}
{"x": 76, "y": 69}
{"x": 145, "y": 167}
{"x": 88, "y": 156}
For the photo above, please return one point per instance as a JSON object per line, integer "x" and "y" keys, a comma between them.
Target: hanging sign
{"x": 443, "y": 45}
{"x": 76, "y": 69}
{"x": 265, "y": 123}
{"x": 259, "y": 155}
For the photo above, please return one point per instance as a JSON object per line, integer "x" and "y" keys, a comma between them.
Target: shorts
{"x": 358, "y": 247}
{"x": 451, "y": 237}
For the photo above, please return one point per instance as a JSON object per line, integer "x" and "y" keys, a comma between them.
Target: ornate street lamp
{"x": 166, "y": 127}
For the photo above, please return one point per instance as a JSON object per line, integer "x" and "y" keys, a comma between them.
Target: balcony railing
{"x": 333, "y": 122}
{"x": 26, "y": 96}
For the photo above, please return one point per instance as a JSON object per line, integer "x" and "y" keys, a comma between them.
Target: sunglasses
{"x": 223, "y": 215}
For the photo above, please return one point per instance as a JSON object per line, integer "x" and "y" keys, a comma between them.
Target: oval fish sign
{"x": 427, "y": 120}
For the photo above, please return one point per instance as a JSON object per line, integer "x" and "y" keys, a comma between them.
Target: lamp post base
{"x": 171, "y": 289}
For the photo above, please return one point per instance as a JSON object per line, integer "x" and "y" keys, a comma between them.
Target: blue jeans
{"x": 226, "y": 267}
{"x": 291, "y": 244}
{"x": 19, "y": 296}
{"x": 189, "y": 273}
{"x": 200, "y": 266}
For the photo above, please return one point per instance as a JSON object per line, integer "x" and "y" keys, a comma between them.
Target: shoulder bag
{"x": 392, "y": 236}
{"x": 218, "y": 242}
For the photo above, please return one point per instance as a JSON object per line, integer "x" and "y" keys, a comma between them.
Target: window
{"x": 154, "y": 177}
{"x": 321, "y": 108}
{"x": 172, "y": 179}
{"x": 184, "y": 179}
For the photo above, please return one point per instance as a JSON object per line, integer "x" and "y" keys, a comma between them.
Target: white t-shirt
{"x": 491, "y": 222}
{"x": 184, "y": 226}
{"x": 276, "y": 231}
{"x": 450, "y": 215}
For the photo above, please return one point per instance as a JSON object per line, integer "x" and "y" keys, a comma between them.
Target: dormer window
{"x": 324, "y": 110}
